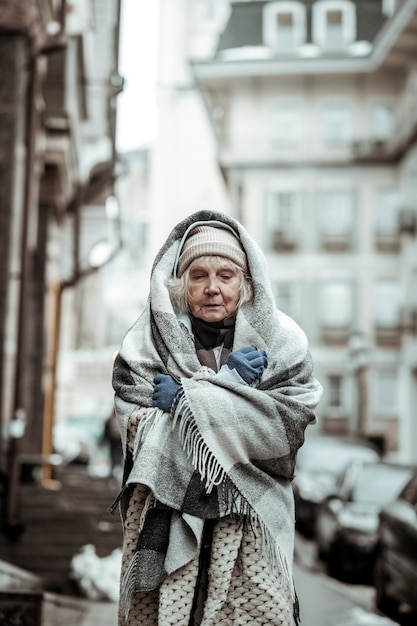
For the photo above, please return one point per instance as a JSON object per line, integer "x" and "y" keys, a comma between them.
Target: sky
{"x": 136, "y": 117}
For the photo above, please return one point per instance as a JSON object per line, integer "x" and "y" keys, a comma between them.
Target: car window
{"x": 332, "y": 456}
{"x": 410, "y": 492}
{"x": 379, "y": 484}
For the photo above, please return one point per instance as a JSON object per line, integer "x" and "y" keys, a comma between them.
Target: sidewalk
{"x": 23, "y": 601}
{"x": 59, "y": 522}
{"x": 68, "y": 611}
{"x": 324, "y": 602}
{"x": 35, "y": 569}
{"x": 321, "y": 604}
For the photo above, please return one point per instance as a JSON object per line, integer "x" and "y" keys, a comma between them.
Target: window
{"x": 287, "y": 298}
{"x": 334, "y": 391}
{"x": 336, "y": 121}
{"x": 386, "y": 211}
{"x": 286, "y": 123}
{"x": 413, "y": 291}
{"x": 336, "y": 304}
{"x": 385, "y": 391}
{"x": 135, "y": 234}
{"x": 284, "y": 25}
{"x": 285, "y": 31}
{"x": 387, "y": 219}
{"x": 336, "y": 218}
{"x": 389, "y": 6}
{"x": 210, "y": 8}
{"x": 383, "y": 121}
{"x": 334, "y": 23}
{"x": 334, "y": 28}
{"x": 206, "y": 10}
{"x": 387, "y": 302}
{"x": 281, "y": 219}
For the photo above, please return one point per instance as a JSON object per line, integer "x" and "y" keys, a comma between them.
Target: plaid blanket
{"x": 229, "y": 448}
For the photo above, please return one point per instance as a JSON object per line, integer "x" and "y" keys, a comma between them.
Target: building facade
{"x": 316, "y": 133}
{"x": 58, "y": 94}
{"x": 311, "y": 106}
{"x": 185, "y": 176}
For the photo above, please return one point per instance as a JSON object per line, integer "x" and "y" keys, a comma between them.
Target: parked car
{"x": 347, "y": 523}
{"x": 77, "y": 437}
{"x": 396, "y": 562}
{"x": 320, "y": 463}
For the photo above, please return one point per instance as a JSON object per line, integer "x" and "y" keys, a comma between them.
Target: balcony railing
{"x": 388, "y": 242}
{"x": 409, "y": 319}
{"x": 388, "y": 335}
{"x": 336, "y": 243}
{"x": 407, "y": 222}
{"x": 283, "y": 241}
{"x": 370, "y": 149}
{"x": 335, "y": 335}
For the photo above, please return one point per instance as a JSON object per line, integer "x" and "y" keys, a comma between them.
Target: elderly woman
{"x": 214, "y": 390}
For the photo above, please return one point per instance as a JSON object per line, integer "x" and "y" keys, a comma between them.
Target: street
{"x": 325, "y": 601}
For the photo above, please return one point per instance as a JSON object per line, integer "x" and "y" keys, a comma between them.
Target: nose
{"x": 212, "y": 286}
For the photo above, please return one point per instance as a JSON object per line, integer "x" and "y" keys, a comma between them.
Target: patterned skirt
{"x": 243, "y": 587}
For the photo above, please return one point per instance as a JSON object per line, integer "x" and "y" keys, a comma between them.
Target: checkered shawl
{"x": 227, "y": 448}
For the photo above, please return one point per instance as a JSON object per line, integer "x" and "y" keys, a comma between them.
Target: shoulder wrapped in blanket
{"x": 229, "y": 448}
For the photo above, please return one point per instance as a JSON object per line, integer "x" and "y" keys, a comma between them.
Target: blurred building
{"x": 184, "y": 176}
{"x": 312, "y": 111}
{"x": 58, "y": 214}
{"x": 107, "y": 302}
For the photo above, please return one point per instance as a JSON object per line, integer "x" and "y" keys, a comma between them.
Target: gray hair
{"x": 178, "y": 288}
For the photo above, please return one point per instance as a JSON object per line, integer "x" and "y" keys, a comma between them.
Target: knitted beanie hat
{"x": 206, "y": 240}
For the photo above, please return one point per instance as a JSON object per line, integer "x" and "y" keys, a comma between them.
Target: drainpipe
{"x": 13, "y": 525}
{"x": 56, "y": 292}
{"x": 55, "y": 295}
{"x": 79, "y": 273}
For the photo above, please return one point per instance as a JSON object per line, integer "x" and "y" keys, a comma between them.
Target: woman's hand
{"x": 249, "y": 362}
{"x": 164, "y": 391}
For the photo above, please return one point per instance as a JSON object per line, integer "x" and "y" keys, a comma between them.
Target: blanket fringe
{"x": 195, "y": 447}
{"x": 128, "y": 586}
{"x": 151, "y": 418}
{"x": 116, "y": 502}
{"x": 269, "y": 546}
{"x": 149, "y": 504}
{"x": 213, "y": 474}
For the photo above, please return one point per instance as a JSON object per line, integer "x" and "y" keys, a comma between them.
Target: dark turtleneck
{"x": 209, "y": 335}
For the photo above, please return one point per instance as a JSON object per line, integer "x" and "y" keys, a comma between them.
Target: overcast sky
{"x": 138, "y": 48}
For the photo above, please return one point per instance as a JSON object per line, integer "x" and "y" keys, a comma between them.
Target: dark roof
{"x": 244, "y": 27}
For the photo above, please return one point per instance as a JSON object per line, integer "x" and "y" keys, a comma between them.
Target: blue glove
{"x": 249, "y": 362}
{"x": 164, "y": 391}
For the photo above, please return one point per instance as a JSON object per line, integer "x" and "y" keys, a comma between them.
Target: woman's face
{"x": 214, "y": 289}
